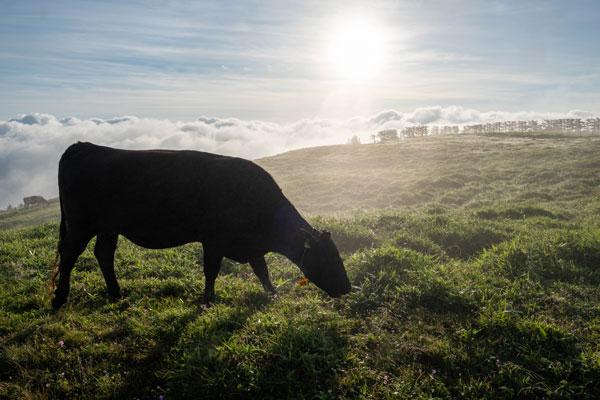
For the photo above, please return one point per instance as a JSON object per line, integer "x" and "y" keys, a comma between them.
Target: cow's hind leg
{"x": 106, "y": 244}
{"x": 259, "y": 266}
{"x": 70, "y": 248}
{"x": 212, "y": 265}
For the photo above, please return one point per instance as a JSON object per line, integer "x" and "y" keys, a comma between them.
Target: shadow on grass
{"x": 276, "y": 364}
{"x": 149, "y": 376}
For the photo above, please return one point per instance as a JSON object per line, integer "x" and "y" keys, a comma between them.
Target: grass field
{"x": 475, "y": 263}
{"x": 19, "y": 218}
{"x": 458, "y": 172}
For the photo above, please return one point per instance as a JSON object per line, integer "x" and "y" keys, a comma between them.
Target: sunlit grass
{"x": 455, "y": 171}
{"x": 490, "y": 295}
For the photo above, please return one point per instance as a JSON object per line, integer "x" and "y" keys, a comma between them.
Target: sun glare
{"x": 356, "y": 50}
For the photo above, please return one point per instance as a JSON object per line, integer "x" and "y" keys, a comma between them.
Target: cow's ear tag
{"x": 307, "y": 244}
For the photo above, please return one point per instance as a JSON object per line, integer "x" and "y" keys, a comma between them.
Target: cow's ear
{"x": 310, "y": 239}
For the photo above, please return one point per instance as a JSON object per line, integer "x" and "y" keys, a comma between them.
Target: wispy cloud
{"x": 166, "y": 58}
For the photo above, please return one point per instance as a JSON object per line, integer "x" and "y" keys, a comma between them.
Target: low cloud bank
{"x": 31, "y": 144}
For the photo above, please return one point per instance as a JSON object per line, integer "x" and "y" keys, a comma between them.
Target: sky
{"x": 256, "y": 78}
{"x": 269, "y": 60}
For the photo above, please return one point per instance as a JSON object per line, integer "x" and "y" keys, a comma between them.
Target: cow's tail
{"x": 63, "y": 222}
{"x": 61, "y": 235}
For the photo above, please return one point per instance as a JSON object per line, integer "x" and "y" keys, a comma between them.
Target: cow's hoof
{"x": 209, "y": 299}
{"x": 57, "y": 303}
{"x": 115, "y": 296}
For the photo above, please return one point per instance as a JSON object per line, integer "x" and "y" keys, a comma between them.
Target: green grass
{"x": 496, "y": 297}
{"x": 19, "y": 218}
{"x": 457, "y": 172}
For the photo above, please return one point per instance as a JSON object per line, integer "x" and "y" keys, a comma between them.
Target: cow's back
{"x": 161, "y": 198}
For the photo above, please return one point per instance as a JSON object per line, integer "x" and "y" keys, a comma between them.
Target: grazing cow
{"x": 33, "y": 201}
{"x": 162, "y": 198}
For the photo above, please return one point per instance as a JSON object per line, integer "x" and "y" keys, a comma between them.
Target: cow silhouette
{"x": 163, "y": 198}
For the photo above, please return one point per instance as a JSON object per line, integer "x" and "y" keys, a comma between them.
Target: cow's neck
{"x": 287, "y": 237}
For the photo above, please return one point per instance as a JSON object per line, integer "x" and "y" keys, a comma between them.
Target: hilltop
{"x": 455, "y": 171}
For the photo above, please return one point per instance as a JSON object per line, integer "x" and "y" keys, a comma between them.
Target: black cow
{"x": 163, "y": 198}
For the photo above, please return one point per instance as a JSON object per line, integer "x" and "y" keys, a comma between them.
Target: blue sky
{"x": 268, "y": 60}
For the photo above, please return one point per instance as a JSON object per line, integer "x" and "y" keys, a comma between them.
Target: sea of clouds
{"x": 31, "y": 144}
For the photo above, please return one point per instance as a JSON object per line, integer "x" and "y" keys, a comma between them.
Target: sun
{"x": 356, "y": 50}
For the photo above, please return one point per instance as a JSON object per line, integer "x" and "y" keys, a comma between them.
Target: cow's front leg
{"x": 106, "y": 244}
{"x": 212, "y": 265}
{"x": 259, "y": 266}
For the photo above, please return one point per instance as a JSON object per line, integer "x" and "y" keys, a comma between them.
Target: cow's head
{"x": 322, "y": 265}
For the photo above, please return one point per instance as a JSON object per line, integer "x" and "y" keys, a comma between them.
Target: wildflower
{"x": 434, "y": 371}
{"x": 61, "y": 343}
{"x": 385, "y": 379}
{"x": 303, "y": 282}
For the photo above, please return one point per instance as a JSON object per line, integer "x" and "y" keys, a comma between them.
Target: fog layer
{"x": 31, "y": 144}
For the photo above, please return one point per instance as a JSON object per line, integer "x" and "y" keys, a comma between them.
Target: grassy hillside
{"x": 464, "y": 288}
{"x": 18, "y": 218}
{"x": 458, "y": 172}
{"x": 462, "y": 172}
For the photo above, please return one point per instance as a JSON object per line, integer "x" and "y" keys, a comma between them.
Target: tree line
{"x": 564, "y": 125}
